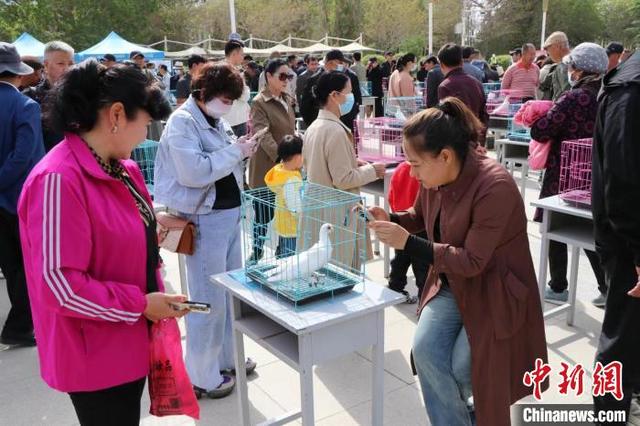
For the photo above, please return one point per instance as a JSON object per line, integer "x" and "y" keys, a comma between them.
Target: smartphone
{"x": 259, "y": 133}
{"x": 196, "y": 307}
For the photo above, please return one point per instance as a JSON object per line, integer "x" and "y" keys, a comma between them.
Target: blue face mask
{"x": 347, "y": 106}
{"x": 340, "y": 68}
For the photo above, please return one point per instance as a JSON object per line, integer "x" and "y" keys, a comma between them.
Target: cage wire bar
{"x": 403, "y": 107}
{"x": 145, "y": 156}
{"x": 303, "y": 241}
{"x": 504, "y": 101}
{"x": 379, "y": 139}
{"x": 575, "y": 172}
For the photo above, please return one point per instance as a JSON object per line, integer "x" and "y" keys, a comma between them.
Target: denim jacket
{"x": 192, "y": 156}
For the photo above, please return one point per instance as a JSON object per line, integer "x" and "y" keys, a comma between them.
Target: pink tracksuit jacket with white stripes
{"x": 84, "y": 252}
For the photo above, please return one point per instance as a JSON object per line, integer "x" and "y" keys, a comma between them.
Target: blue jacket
{"x": 192, "y": 156}
{"x": 21, "y": 145}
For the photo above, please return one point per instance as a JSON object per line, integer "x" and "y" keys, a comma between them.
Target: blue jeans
{"x": 209, "y": 337}
{"x": 442, "y": 358}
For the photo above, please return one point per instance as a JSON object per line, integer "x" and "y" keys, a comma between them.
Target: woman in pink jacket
{"x": 90, "y": 248}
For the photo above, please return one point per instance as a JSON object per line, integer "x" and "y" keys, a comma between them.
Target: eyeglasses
{"x": 284, "y": 77}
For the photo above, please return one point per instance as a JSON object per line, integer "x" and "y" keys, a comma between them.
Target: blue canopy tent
{"x": 118, "y": 47}
{"x": 28, "y": 45}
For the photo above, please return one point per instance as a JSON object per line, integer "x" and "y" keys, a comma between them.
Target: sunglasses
{"x": 284, "y": 77}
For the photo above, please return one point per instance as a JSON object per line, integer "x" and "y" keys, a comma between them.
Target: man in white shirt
{"x": 239, "y": 114}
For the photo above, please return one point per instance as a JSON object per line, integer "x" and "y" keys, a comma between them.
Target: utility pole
{"x": 545, "y": 8}
{"x": 232, "y": 13}
{"x": 430, "y": 27}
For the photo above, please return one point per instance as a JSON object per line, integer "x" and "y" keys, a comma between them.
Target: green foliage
{"x": 395, "y": 25}
{"x": 415, "y": 45}
{"x": 503, "y": 60}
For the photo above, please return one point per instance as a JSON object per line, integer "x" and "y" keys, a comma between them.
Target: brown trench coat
{"x": 267, "y": 111}
{"x": 485, "y": 254}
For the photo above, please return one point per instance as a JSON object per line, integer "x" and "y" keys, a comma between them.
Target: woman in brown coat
{"x": 481, "y": 325}
{"x": 271, "y": 112}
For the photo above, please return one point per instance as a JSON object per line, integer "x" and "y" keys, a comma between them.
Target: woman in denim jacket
{"x": 199, "y": 155}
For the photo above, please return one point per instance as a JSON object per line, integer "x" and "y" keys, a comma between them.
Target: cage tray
{"x": 335, "y": 281}
{"x": 577, "y": 198}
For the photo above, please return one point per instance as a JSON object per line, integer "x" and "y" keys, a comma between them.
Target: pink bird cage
{"x": 575, "y": 172}
{"x": 379, "y": 139}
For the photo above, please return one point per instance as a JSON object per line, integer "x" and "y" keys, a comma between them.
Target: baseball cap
{"x": 557, "y": 37}
{"x": 135, "y": 53}
{"x": 10, "y": 60}
{"x": 335, "y": 54}
{"x": 178, "y": 64}
{"x": 517, "y": 50}
{"x": 108, "y": 57}
{"x": 588, "y": 57}
{"x": 614, "y": 47}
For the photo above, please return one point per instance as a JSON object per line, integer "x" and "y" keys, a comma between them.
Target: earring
{"x": 114, "y": 129}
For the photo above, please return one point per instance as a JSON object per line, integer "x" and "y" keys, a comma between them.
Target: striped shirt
{"x": 520, "y": 77}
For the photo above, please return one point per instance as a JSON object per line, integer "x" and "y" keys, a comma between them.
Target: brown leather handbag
{"x": 176, "y": 233}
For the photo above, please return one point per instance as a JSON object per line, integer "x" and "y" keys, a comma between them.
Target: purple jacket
{"x": 85, "y": 259}
{"x": 572, "y": 116}
{"x": 468, "y": 89}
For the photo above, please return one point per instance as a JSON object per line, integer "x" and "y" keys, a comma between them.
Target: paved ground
{"x": 342, "y": 387}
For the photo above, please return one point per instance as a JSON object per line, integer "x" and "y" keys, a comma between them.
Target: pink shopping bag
{"x": 169, "y": 384}
{"x": 538, "y": 154}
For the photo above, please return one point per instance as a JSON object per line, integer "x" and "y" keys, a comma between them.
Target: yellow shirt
{"x": 286, "y": 184}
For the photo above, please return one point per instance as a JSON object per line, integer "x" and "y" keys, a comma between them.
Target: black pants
{"x": 263, "y": 215}
{"x": 119, "y": 405}
{"x": 620, "y": 337}
{"x": 379, "y": 109}
{"x": 558, "y": 267}
{"x": 19, "y": 319}
{"x": 400, "y": 266}
{"x": 286, "y": 247}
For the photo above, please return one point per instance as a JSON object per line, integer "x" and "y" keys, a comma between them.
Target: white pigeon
{"x": 303, "y": 265}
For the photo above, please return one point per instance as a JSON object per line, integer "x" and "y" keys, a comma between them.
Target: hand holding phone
{"x": 195, "y": 307}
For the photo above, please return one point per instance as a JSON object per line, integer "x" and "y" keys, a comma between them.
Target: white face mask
{"x": 571, "y": 81}
{"x": 340, "y": 68}
{"x": 216, "y": 108}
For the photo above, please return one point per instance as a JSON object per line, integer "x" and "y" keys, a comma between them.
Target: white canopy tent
{"x": 355, "y": 47}
{"x": 317, "y": 47}
{"x": 195, "y": 50}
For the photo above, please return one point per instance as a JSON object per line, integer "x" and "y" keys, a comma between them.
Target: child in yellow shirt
{"x": 285, "y": 180}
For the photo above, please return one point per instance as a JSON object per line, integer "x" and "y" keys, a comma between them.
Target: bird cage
{"x": 403, "y": 107}
{"x": 518, "y": 132}
{"x": 379, "y": 139}
{"x": 504, "y": 102}
{"x": 490, "y": 87}
{"x": 575, "y": 172}
{"x": 304, "y": 241}
{"x": 365, "y": 88}
{"x": 145, "y": 155}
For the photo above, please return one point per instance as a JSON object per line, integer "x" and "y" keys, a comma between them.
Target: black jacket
{"x": 616, "y": 163}
{"x": 434, "y": 78}
{"x": 309, "y": 106}
{"x": 40, "y": 94}
{"x": 374, "y": 75}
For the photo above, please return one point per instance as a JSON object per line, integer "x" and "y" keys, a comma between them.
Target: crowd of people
{"x": 88, "y": 281}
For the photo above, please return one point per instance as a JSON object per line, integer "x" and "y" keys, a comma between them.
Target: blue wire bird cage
{"x": 145, "y": 155}
{"x": 304, "y": 241}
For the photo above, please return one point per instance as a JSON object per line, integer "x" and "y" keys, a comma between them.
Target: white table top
{"x": 363, "y": 299}
{"x": 507, "y": 141}
{"x": 556, "y": 204}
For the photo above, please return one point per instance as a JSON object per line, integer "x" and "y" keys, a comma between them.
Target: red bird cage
{"x": 575, "y": 172}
